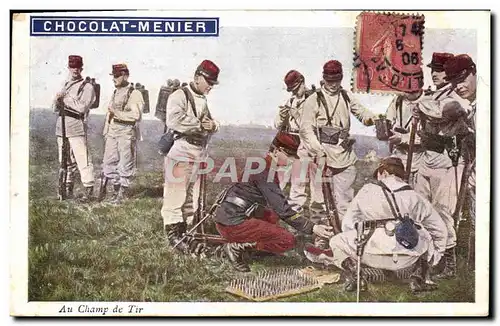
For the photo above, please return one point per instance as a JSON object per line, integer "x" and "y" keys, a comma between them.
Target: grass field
{"x": 98, "y": 252}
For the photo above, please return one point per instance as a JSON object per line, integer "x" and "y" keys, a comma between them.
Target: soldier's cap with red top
{"x": 293, "y": 79}
{"x": 75, "y": 61}
{"x": 458, "y": 68}
{"x": 332, "y": 71}
{"x": 285, "y": 142}
{"x": 391, "y": 164}
{"x": 438, "y": 60}
{"x": 118, "y": 68}
{"x": 209, "y": 70}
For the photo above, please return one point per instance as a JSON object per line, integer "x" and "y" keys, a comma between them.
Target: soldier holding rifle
{"x": 324, "y": 131}
{"x": 73, "y": 104}
{"x": 288, "y": 121}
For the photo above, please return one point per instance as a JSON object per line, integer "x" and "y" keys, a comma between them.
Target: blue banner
{"x": 123, "y": 26}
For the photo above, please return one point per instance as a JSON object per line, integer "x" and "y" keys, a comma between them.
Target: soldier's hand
{"x": 415, "y": 110}
{"x": 324, "y": 231}
{"x": 60, "y": 95}
{"x": 318, "y": 159}
{"x": 207, "y": 124}
{"x": 284, "y": 112}
{"x": 369, "y": 122}
{"x": 395, "y": 139}
{"x": 436, "y": 258}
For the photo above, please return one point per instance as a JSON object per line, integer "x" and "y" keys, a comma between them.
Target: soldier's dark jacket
{"x": 267, "y": 194}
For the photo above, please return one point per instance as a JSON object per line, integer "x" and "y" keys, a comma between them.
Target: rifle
{"x": 202, "y": 199}
{"x": 210, "y": 213}
{"x": 360, "y": 228}
{"x": 411, "y": 148}
{"x": 63, "y": 165}
{"x": 331, "y": 207}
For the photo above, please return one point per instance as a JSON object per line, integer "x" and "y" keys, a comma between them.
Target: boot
{"x": 102, "y": 188}
{"x": 87, "y": 194}
{"x": 69, "y": 191}
{"x": 420, "y": 278}
{"x": 450, "y": 265}
{"x": 174, "y": 233}
{"x": 235, "y": 251}
{"x": 121, "y": 196}
{"x": 116, "y": 190}
{"x": 351, "y": 274}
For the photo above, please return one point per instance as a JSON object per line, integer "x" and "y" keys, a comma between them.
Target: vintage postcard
{"x": 250, "y": 163}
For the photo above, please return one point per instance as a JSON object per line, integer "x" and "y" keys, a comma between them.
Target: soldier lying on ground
{"x": 402, "y": 230}
{"x": 243, "y": 220}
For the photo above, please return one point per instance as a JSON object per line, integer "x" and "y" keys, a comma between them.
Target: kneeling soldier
{"x": 243, "y": 221}
{"x": 401, "y": 229}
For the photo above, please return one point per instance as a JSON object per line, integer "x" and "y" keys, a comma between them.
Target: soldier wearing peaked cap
{"x": 448, "y": 129}
{"x": 189, "y": 117}
{"x": 121, "y": 134}
{"x": 76, "y": 99}
{"x": 400, "y": 227}
{"x": 249, "y": 214}
{"x": 399, "y": 113}
{"x": 324, "y": 131}
{"x": 288, "y": 121}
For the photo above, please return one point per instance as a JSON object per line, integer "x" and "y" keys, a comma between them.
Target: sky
{"x": 253, "y": 63}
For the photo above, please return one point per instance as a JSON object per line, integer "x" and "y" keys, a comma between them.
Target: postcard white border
{"x": 19, "y": 176}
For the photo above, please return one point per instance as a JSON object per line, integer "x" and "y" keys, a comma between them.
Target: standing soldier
{"x": 76, "y": 99}
{"x": 440, "y": 176}
{"x": 324, "y": 131}
{"x": 400, "y": 115}
{"x": 121, "y": 133}
{"x": 189, "y": 117}
{"x": 400, "y": 227}
{"x": 288, "y": 121}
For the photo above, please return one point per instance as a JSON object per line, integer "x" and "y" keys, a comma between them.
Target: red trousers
{"x": 265, "y": 231}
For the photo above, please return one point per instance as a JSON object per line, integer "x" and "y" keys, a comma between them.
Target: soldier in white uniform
{"x": 302, "y": 166}
{"x": 189, "y": 117}
{"x": 121, "y": 133}
{"x": 76, "y": 99}
{"x": 385, "y": 247}
{"x": 400, "y": 114}
{"x": 447, "y": 129}
{"x": 327, "y": 115}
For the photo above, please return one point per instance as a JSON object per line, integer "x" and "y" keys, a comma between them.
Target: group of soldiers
{"x": 121, "y": 131}
{"x": 408, "y": 217}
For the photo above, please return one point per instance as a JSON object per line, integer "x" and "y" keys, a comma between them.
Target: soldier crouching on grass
{"x": 248, "y": 216}
{"x": 401, "y": 230}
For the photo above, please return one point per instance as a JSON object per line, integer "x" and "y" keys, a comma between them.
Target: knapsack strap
{"x": 190, "y": 99}
{"x": 399, "y": 107}
{"x": 322, "y": 101}
{"x": 129, "y": 92}
{"x": 80, "y": 89}
{"x": 392, "y": 203}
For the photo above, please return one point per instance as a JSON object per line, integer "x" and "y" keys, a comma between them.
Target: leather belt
{"x": 74, "y": 115}
{"x": 379, "y": 223}
{"x": 124, "y": 122}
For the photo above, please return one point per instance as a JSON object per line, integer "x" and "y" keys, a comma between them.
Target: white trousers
{"x": 180, "y": 192}
{"x": 79, "y": 158}
{"x": 119, "y": 161}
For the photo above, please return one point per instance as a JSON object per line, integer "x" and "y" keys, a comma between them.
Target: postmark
{"x": 388, "y": 53}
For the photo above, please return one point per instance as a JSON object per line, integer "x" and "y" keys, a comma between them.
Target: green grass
{"x": 98, "y": 252}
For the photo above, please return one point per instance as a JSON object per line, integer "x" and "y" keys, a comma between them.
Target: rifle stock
{"x": 63, "y": 165}
{"x": 331, "y": 206}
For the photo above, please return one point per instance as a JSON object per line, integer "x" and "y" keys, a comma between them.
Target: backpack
{"x": 97, "y": 90}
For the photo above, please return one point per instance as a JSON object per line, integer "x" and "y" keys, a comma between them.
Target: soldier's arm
{"x": 429, "y": 218}
{"x": 392, "y": 113}
{"x": 361, "y": 113}
{"x": 279, "y": 119}
{"x": 133, "y": 109}
{"x": 277, "y": 201}
{"x": 354, "y": 213}
{"x": 83, "y": 103}
{"x": 306, "y": 130}
{"x": 177, "y": 117}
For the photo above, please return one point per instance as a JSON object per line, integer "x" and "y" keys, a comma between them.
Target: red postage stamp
{"x": 388, "y": 54}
